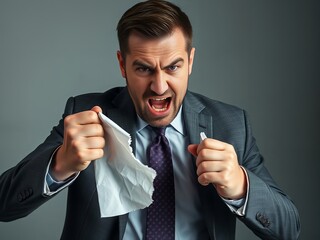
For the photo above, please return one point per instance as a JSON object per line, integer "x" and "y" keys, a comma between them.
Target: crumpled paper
{"x": 124, "y": 184}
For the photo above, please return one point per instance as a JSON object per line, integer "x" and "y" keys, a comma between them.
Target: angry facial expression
{"x": 157, "y": 72}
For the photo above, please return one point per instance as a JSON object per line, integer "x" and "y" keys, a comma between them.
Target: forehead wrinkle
{"x": 153, "y": 60}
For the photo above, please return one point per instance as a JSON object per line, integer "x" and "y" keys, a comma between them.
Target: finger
{"x": 210, "y": 166}
{"x": 96, "y": 109}
{"x": 91, "y": 130}
{"x": 82, "y": 118}
{"x": 192, "y": 148}
{"x": 86, "y": 155}
{"x": 82, "y": 131}
{"x": 94, "y": 143}
{"x": 208, "y": 177}
{"x": 94, "y": 154}
{"x": 210, "y": 143}
{"x": 211, "y": 155}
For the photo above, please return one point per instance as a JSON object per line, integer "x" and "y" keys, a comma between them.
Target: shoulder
{"x": 226, "y": 119}
{"x": 96, "y": 97}
{"x": 86, "y": 101}
{"x": 211, "y": 106}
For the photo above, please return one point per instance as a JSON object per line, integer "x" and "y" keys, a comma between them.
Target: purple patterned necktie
{"x": 161, "y": 213}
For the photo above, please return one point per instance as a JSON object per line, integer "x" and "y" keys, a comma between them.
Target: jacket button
{"x": 28, "y": 192}
{"x": 263, "y": 219}
{"x": 20, "y": 197}
{"x": 23, "y": 195}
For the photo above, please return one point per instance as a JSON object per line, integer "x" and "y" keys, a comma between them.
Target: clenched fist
{"x": 83, "y": 142}
{"x": 217, "y": 163}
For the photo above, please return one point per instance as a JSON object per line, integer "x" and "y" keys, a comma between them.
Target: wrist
{"x": 58, "y": 169}
{"x": 237, "y": 192}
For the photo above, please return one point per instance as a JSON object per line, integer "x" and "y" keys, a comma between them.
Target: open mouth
{"x": 160, "y": 104}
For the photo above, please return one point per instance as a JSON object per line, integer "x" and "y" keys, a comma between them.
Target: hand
{"x": 83, "y": 142}
{"x": 217, "y": 163}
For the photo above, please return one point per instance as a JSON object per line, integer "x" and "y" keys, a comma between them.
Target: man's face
{"x": 157, "y": 71}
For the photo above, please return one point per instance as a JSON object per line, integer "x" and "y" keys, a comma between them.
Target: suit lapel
{"x": 195, "y": 118}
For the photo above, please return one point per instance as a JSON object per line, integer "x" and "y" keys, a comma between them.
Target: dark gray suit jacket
{"x": 270, "y": 213}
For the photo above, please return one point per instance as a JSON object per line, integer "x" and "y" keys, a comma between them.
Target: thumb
{"x": 96, "y": 109}
{"x": 192, "y": 148}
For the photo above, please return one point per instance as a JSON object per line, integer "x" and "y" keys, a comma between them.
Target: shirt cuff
{"x": 52, "y": 186}
{"x": 239, "y": 206}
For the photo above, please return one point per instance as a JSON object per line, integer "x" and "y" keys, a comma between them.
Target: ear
{"x": 191, "y": 57}
{"x": 121, "y": 64}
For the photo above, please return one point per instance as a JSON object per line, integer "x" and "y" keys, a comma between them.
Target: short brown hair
{"x": 153, "y": 19}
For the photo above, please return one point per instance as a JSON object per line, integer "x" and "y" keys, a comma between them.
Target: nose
{"x": 159, "y": 84}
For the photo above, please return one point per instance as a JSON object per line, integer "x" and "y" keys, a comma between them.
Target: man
{"x": 215, "y": 181}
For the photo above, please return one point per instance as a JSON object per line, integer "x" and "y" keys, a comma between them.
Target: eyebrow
{"x": 139, "y": 63}
{"x": 174, "y": 62}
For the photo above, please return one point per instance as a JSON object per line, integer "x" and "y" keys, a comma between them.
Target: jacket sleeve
{"x": 270, "y": 213}
{"x": 21, "y": 187}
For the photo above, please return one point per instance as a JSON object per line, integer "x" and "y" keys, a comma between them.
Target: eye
{"x": 173, "y": 68}
{"x": 144, "y": 70}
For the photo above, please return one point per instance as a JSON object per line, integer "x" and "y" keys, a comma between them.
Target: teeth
{"x": 159, "y": 109}
{"x": 159, "y": 104}
{"x": 159, "y": 99}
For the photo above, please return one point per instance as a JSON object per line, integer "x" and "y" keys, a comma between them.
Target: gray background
{"x": 262, "y": 56}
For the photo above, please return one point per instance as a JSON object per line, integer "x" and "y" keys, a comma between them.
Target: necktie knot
{"x": 159, "y": 130}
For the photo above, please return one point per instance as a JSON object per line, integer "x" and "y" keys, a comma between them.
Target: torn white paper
{"x": 124, "y": 184}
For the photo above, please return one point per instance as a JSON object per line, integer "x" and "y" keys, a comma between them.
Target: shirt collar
{"x": 177, "y": 123}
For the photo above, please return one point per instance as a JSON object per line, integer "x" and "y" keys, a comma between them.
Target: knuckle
{"x": 203, "y": 179}
{"x": 92, "y": 116}
{"x": 81, "y": 156}
{"x": 205, "y": 142}
{"x": 75, "y": 145}
{"x": 71, "y": 132}
{"x": 202, "y": 154}
{"x": 232, "y": 156}
{"x": 204, "y": 166}
{"x": 68, "y": 119}
{"x": 205, "y": 176}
